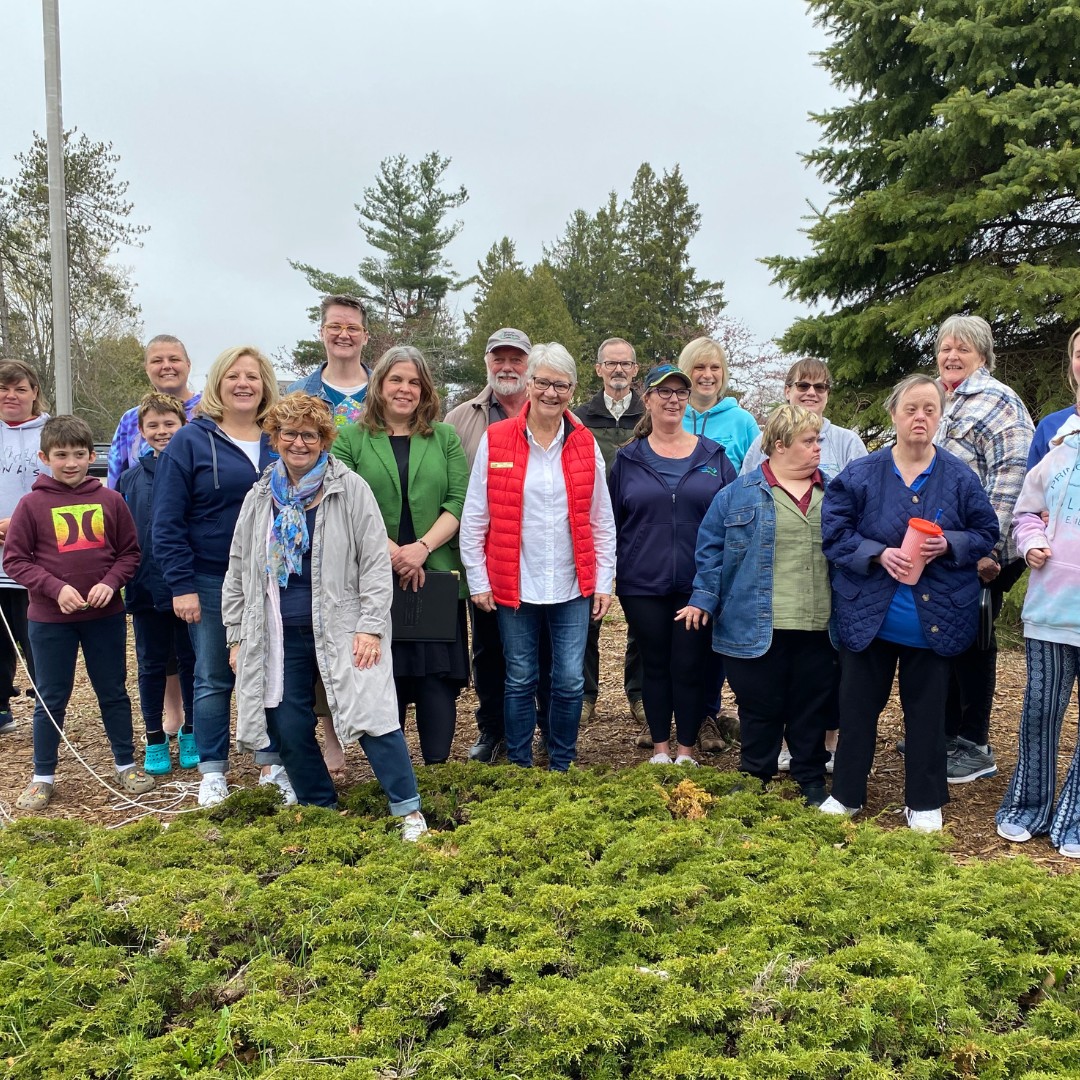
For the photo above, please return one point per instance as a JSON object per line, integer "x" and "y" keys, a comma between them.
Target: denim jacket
{"x": 734, "y": 581}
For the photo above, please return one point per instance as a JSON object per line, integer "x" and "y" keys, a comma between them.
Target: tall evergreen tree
{"x": 500, "y": 257}
{"x": 625, "y": 271}
{"x": 955, "y": 167}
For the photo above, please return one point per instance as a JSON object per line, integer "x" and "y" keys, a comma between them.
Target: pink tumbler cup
{"x": 918, "y": 530}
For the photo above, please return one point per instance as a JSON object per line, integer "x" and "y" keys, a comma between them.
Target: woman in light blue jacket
{"x": 711, "y": 414}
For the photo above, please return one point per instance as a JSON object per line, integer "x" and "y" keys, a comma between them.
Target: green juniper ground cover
{"x": 594, "y": 925}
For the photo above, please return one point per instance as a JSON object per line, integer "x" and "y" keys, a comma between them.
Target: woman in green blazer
{"x": 417, "y": 470}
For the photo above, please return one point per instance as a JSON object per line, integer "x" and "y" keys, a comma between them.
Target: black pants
{"x": 974, "y": 672}
{"x": 632, "y": 670}
{"x": 785, "y": 694}
{"x": 13, "y": 603}
{"x": 865, "y": 684}
{"x": 489, "y": 675}
{"x": 435, "y": 699}
{"x": 675, "y": 665}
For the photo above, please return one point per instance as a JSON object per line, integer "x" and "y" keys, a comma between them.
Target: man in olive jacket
{"x": 611, "y": 416}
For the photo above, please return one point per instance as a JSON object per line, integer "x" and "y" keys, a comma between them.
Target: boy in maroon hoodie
{"x": 72, "y": 545}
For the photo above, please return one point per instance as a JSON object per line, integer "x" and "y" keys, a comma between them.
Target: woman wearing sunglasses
{"x": 538, "y": 544}
{"x": 662, "y": 483}
{"x": 807, "y": 383}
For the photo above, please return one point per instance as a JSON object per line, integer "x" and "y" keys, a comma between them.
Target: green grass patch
{"x": 593, "y": 925}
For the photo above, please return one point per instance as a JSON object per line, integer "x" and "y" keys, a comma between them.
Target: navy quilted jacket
{"x": 866, "y": 510}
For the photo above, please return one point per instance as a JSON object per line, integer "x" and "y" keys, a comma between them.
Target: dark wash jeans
{"x": 104, "y": 647}
{"x": 159, "y": 635}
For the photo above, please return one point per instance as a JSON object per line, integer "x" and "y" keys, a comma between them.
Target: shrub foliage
{"x": 640, "y": 924}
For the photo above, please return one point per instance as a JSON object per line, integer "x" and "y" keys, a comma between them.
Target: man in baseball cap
{"x": 506, "y": 357}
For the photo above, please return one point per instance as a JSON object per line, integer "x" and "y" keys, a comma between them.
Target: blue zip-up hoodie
{"x": 202, "y": 479}
{"x": 146, "y": 591}
{"x": 657, "y": 528}
{"x": 726, "y": 423}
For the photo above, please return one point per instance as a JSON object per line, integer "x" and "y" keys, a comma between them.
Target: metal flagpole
{"x": 58, "y": 247}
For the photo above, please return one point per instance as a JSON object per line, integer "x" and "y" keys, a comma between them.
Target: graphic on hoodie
{"x": 79, "y": 527}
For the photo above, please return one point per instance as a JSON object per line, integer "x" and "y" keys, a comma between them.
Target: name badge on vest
{"x": 500, "y": 464}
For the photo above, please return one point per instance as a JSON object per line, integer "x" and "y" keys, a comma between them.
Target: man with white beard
{"x": 506, "y": 357}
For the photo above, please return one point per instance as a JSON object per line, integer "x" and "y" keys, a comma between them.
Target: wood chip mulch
{"x": 608, "y": 739}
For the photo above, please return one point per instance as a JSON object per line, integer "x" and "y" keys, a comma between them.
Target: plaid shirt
{"x": 988, "y": 426}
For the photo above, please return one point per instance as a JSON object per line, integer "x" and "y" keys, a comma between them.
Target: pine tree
{"x": 955, "y": 170}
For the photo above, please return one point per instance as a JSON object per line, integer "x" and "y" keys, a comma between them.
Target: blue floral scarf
{"x": 289, "y": 538}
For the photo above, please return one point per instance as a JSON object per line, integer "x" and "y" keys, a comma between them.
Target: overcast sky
{"x": 247, "y": 131}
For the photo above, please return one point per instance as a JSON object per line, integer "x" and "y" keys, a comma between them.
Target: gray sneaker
{"x": 968, "y": 762}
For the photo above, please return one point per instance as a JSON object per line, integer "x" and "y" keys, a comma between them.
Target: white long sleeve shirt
{"x": 548, "y": 573}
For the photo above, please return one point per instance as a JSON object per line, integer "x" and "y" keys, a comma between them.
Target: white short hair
{"x": 553, "y": 356}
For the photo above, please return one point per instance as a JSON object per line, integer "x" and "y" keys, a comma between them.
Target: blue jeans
{"x": 104, "y": 646}
{"x": 292, "y": 726}
{"x": 568, "y": 626}
{"x": 214, "y": 682}
{"x": 158, "y": 634}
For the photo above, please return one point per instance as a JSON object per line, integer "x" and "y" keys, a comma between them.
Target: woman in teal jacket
{"x": 417, "y": 470}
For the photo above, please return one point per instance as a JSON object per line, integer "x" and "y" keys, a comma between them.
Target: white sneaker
{"x": 213, "y": 789}
{"x": 1070, "y": 851}
{"x": 1007, "y": 830}
{"x": 923, "y": 820}
{"x": 783, "y": 762}
{"x": 835, "y": 806}
{"x": 661, "y": 759}
{"x": 413, "y": 826}
{"x": 685, "y": 759}
{"x": 280, "y": 779}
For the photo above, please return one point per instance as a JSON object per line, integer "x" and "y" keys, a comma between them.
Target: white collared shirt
{"x": 548, "y": 573}
{"x": 617, "y": 408}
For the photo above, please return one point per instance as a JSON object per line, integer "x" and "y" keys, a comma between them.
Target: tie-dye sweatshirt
{"x": 1052, "y": 607}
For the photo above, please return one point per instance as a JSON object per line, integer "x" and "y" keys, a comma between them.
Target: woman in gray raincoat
{"x": 308, "y": 594}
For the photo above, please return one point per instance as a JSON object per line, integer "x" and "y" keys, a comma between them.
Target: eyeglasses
{"x": 611, "y": 365}
{"x": 820, "y": 387}
{"x": 557, "y": 385}
{"x": 681, "y": 393}
{"x": 336, "y": 328}
{"x": 308, "y": 438}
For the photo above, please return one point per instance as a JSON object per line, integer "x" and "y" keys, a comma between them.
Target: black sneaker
{"x": 7, "y": 721}
{"x": 487, "y": 749}
{"x": 969, "y": 762}
{"x": 813, "y": 794}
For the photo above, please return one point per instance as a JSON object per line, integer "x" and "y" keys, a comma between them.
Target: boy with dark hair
{"x": 72, "y": 545}
{"x": 159, "y": 635}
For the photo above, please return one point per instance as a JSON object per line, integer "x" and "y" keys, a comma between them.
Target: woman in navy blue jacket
{"x": 884, "y": 621}
{"x": 662, "y": 483}
{"x": 203, "y": 476}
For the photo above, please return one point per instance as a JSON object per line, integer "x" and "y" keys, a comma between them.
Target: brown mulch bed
{"x": 608, "y": 740}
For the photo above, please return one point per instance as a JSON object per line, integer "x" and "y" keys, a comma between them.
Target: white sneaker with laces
{"x": 661, "y": 759}
{"x": 923, "y": 820}
{"x": 280, "y": 779}
{"x": 835, "y": 806}
{"x": 413, "y": 826}
{"x": 213, "y": 789}
{"x": 783, "y": 762}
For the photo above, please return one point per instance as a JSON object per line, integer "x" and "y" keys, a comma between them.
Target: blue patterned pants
{"x": 1052, "y": 669}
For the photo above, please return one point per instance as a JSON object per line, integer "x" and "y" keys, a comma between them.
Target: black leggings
{"x": 14, "y": 603}
{"x": 676, "y": 665}
{"x": 436, "y": 712}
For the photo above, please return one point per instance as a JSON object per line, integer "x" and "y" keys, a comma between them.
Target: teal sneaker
{"x": 189, "y": 753}
{"x": 157, "y": 761}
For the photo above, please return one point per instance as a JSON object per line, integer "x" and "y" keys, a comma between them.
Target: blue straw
{"x": 937, "y": 516}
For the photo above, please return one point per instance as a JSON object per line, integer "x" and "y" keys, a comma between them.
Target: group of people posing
{"x": 275, "y": 533}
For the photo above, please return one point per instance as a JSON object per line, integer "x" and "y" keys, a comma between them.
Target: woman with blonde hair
{"x": 710, "y": 413}
{"x": 202, "y": 478}
{"x": 764, "y": 581}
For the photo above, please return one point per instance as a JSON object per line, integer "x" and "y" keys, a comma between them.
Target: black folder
{"x": 430, "y": 613}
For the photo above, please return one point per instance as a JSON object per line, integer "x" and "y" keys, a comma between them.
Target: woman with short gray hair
{"x": 538, "y": 544}
{"x": 986, "y": 425}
